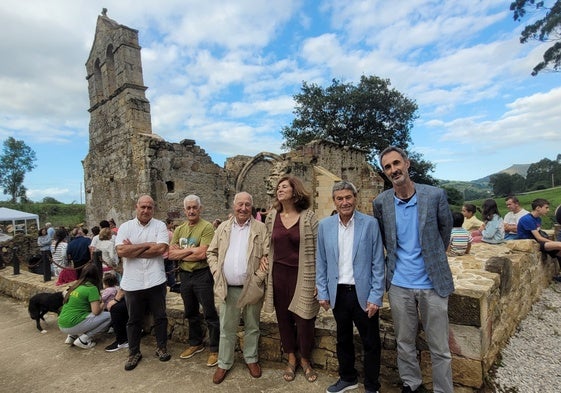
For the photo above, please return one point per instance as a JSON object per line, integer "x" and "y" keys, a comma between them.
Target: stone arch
{"x": 110, "y": 70}
{"x": 98, "y": 82}
{"x": 259, "y": 192}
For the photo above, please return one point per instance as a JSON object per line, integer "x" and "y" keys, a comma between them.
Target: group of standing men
{"x": 411, "y": 221}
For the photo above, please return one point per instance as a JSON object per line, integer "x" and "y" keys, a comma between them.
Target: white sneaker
{"x": 70, "y": 339}
{"x": 84, "y": 342}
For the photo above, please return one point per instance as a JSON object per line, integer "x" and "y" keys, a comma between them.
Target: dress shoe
{"x": 219, "y": 375}
{"x": 254, "y": 369}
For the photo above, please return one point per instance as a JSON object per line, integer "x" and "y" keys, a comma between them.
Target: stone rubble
{"x": 531, "y": 362}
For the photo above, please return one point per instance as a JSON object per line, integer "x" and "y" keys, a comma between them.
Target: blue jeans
{"x": 197, "y": 288}
{"x": 406, "y": 305}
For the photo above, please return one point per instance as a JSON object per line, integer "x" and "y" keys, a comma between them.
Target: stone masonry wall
{"x": 496, "y": 286}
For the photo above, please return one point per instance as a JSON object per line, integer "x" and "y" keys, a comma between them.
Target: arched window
{"x": 110, "y": 69}
{"x": 98, "y": 82}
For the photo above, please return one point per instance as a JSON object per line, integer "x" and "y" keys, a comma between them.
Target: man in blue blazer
{"x": 416, "y": 224}
{"x": 350, "y": 280}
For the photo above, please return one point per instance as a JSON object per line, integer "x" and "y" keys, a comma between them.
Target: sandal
{"x": 289, "y": 373}
{"x": 309, "y": 373}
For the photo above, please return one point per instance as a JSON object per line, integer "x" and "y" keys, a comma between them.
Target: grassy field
{"x": 553, "y": 195}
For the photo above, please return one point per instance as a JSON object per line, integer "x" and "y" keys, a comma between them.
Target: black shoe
{"x": 162, "y": 354}
{"x": 557, "y": 278}
{"x": 133, "y": 361}
{"x": 407, "y": 389}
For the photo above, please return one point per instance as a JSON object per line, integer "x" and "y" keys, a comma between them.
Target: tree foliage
{"x": 454, "y": 196}
{"x": 15, "y": 161}
{"x": 505, "y": 184}
{"x": 546, "y": 29}
{"x": 368, "y": 116}
{"x": 543, "y": 174}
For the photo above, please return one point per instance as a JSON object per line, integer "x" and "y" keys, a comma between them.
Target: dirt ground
{"x": 35, "y": 362}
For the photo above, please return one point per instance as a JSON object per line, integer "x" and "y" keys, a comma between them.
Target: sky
{"x": 224, "y": 73}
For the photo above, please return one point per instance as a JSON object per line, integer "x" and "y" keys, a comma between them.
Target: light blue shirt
{"x": 410, "y": 269}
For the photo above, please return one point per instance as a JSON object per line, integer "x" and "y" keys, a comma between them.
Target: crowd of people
{"x": 518, "y": 223}
{"x": 288, "y": 262}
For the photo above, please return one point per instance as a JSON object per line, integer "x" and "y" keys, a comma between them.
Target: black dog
{"x": 42, "y": 303}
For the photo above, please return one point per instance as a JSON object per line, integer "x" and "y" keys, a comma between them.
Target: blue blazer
{"x": 368, "y": 259}
{"x": 435, "y": 226}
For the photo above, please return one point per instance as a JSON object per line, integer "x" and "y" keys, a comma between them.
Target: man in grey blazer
{"x": 416, "y": 223}
{"x": 350, "y": 280}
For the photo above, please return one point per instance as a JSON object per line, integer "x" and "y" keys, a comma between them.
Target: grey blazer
{"x": 435, "y": 225}
{"x": 368, "y": 260}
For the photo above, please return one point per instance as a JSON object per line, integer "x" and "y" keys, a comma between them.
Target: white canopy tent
{"x": 17, "y": 218}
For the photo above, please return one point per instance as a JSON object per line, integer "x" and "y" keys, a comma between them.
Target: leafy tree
{"x": 368, "y": 116}
{"x": 542, "y": 174}
{"x": 505, "y": 184}
{"x": 546, "y": 29}
{"x": 51, "y": 200}
{"x": 16, "y": 159}
{"x": 455, "y": 197}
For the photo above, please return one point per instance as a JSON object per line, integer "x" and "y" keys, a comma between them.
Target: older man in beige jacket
{"x": 235, "y": 257}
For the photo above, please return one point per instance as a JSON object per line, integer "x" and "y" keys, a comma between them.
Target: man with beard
{"x": 416, "y": 224}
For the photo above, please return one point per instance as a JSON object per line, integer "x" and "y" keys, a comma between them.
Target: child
{"x": 471, "y": 222}
{"x": 492, "y": 230}
{"x": 110, "y": 287}
{"x": 460, "y": 239}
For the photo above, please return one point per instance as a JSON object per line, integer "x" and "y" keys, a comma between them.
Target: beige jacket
{"x": 304, "y": 302}
{"x": 254, "y": 286}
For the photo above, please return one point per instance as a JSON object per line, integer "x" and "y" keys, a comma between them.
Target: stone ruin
{"x": 126, "y": 159}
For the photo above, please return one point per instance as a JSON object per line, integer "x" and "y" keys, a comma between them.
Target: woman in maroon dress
{"x": 291, "y": 289}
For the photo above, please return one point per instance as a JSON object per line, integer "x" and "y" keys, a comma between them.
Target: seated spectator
{"x": 82, "y": 315}
{"x": 460, "y": 239}
{"x": 110, "y": 288}
{"x": 529, "y": 227}
{"x": 119, "y": 317}
{"x": 511, "y": 218}
{"x": 558, "y": 219}
{"x": 471, "y": 223}
{"x": 492, "y": 229}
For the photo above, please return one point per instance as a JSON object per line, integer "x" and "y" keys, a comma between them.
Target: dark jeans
{"x": 119, "y": 318}
{"x": 138, "y": 302}
{"x": 197, "y": 288}
{"x": 347, "y": 310}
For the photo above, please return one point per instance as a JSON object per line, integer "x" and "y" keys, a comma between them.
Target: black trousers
{"x": 138, "y": 302}
{"x": 197, "y": 289}
{"x": 119, "y": 318}
{"x": 346, "y": 312}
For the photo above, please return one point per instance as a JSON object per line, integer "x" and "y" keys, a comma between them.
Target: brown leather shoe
{"x": 254, "y": 369}
{"x": 219, "y": 375}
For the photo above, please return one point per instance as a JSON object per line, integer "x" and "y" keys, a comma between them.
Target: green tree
{"x": 15, "y": 161}
{"x": 546, "y": 29}
{"x": 455, "y": 197}
{"x": 542, "y": 174}
{"x": 368, "y": 116}
{"x": 51, "y": 200}
{"x": 505, "y": 184}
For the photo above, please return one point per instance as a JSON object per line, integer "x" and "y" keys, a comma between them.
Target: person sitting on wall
{"x": 529, "y": 227}
{"x": 511, "y": 218}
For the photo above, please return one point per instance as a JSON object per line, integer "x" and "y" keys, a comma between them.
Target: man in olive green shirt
{"x": 188, "y": 246}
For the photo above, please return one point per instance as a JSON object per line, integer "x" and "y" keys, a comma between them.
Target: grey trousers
{"x": 92, "y": 325}
{"x": 406, "y": 306}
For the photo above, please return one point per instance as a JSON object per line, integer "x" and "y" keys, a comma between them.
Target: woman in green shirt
{"x": 82, "y": 315}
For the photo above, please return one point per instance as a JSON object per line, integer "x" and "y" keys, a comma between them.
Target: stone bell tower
{"x": 120, "y": 126}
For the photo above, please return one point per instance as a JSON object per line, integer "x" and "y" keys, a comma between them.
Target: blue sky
{"x": 224, "y": 73}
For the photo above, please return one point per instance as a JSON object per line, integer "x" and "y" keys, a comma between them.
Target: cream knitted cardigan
{"x": 303, "y": 303}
